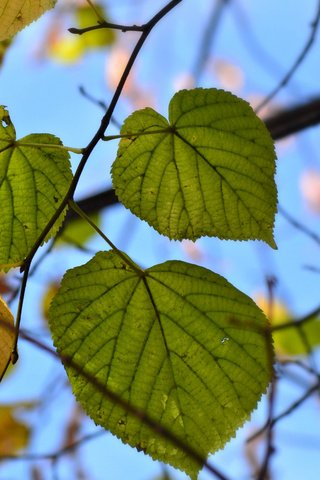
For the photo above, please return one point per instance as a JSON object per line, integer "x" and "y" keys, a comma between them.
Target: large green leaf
{"x": 208, "y": 171}
{"x": 176, "y": 340}
{"x": 17, "y": 14}
{"x": 34, "y": 177}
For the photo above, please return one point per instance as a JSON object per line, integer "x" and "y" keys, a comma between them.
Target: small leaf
{"x": 68, "y": 49}
{"x": 177, "y": 341}
{"x": 51, "y": 290}
{"x": 17, "y": 14}
{"x": 14, "y": 434}
{"x": 294, "y": 340}
{"x": 33, "y": 181}
{"x": 208, "y": 171}
{"x": 87, "y": 17}
{"x": 6, "y": 336}
{"x": 78, "y": 231}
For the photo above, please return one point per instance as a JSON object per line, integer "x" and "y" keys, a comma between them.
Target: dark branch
{"x": 112, "y": 26}
{"x": 293, "y": 120}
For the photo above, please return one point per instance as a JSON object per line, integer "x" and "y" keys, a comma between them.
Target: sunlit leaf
{"x": 177, "y": 341}
{"x": 66, "y": 49}
{"x": 33, "y": 181}
{"x": 78, "y": 231}
{"x": 87, "y": 17}
{"x": 17, "y": 14}
{"x": 70, "y": 48}
{"x": 50, "y": 292}
{"x": 208, "y": 171}
{"x": 6, "y": 336}
{"x": 296, "y": 340}
{"x": 14, "y": 434}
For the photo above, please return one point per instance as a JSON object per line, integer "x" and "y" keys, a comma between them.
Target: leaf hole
{"x": 5, "y": 122}
{"x": 224, "y": 340}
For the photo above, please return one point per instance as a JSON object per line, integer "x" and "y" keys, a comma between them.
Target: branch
{"x": 54, "y": 455}
{"x": 298, "y": 61}
{"x": 298, "y": 225}
{"x": 314, "y": 388}
{"x": 113, "y": 26}
{"x": 297, "y": 323}
{"x": 209, "y": 33}
{"x": 293, "y": 120}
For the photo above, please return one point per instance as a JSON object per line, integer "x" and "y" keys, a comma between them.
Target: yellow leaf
{"x": 17, "y": 14}
{"x": 49, "y": 294}
{"x": 296, "y": 340}
{"x": 14, "y": 434}
{"x": 6, "y": 337}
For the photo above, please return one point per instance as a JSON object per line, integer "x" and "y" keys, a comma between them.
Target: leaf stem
{"x": 49, "y": 145}
{"x": 14, "y": 353}
{"x": 96, "y": 11}
{"x": 107, "y": 138}
{"x": 124, "y": 257}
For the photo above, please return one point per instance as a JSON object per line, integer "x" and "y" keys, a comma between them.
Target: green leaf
{"x": 296, "y": 339}
{"x": 70, "y": 49}
{"x": 78, "y": 231}
{"x": 176, "y": 340}
{"x": 35, "y": 175}
{"x": 208, "y": 171}
{"x": 86, "y": 17}
{"x": 17, "y": 14}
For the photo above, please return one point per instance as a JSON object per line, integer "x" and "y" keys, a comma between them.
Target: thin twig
{"x": 57, "y": 454}
{"x": 112, "y": 26}
{"x": 207, "y": 38}
{"x": 298, "y": 61}
{"x": 297, "y": 323}
{"x": 263, "y": 473}
{"x": 298, "y": 225}
{"x": 314, "y": 388}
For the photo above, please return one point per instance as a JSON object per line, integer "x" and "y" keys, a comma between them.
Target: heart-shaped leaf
{"x": 208, "y": 171}
{"x": 34, "y": 177}
{"x": 177, "y": 341}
